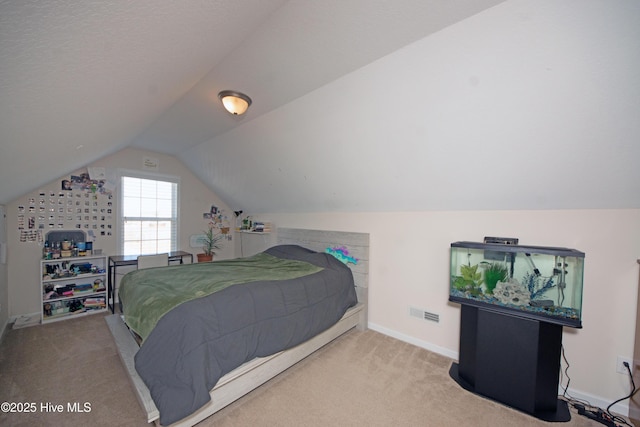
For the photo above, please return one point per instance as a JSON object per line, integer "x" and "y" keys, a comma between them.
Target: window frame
{"x": 149, "y": 176}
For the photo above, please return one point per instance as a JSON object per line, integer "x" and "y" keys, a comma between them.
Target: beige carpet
{"x": 360, "y": 379}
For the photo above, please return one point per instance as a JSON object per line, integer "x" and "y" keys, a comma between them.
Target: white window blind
{"x": 149, "y": 216}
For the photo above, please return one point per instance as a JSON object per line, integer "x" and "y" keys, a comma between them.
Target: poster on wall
{"x": 79, "y": 202}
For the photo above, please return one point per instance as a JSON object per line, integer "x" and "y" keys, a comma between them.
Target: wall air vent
{"x": 424, "y": 315}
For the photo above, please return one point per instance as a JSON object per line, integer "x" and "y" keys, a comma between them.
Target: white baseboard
{"x": 621, "y": 408}
{"x": 411, "y": 340}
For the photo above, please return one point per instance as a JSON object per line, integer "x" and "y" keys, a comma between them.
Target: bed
{"x": 259, "y": 360}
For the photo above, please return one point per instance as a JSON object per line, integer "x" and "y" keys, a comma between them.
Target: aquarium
{"x": 537, "y": 282}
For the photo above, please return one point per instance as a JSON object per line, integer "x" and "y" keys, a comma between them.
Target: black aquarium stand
{"x": 512, "y": 360}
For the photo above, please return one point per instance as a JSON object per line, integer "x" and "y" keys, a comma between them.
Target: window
{"x": 149, "y": 215}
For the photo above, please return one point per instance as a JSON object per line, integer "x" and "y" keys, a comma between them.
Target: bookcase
{"x": 72, "y": 287}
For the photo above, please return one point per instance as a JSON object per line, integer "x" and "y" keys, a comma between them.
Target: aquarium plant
{"x": 537, "y": 285}
{"x": 494, "y": 273}
{"x": 469, "y": 281}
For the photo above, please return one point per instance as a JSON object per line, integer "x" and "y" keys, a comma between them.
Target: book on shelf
{"x": 261, "y": 227}
{"x": 84, "y": 287}
{"x": 93, "y": 303}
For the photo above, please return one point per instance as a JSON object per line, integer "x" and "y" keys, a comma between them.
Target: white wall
{"x": 409, "y": 265}
{"x": 24, "y": 257}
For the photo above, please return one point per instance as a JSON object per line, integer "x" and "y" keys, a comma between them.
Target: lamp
{"x": 234, "y": 102}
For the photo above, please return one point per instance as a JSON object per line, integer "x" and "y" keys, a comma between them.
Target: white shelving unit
{"x": 72, "y": 287}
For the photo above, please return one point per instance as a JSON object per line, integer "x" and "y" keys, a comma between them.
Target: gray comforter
{"x": 199, "y": 341}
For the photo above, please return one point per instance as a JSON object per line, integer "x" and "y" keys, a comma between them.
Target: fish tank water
{"x": 536, "y": 282}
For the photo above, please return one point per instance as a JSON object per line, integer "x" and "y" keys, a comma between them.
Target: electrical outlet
{"x": 620, "y": 368}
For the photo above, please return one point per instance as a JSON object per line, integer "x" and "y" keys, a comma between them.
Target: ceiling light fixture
{"x": 234, "y": 102}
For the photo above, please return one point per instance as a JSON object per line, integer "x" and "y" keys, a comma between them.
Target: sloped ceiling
{"x": 80, "y": 79}
{"x": 358, "y": 105}
{"x": 529, "y": 105}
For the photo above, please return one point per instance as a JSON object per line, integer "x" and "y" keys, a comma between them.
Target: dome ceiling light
{"x": 234, "y": 102}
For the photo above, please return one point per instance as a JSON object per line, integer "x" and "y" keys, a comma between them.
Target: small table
{"x": 116, "y": 261}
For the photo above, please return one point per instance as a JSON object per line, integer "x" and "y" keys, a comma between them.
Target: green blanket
{"x": 149, "y": 294}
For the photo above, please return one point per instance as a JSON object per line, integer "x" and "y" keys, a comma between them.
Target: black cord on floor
{"x": 593, "y": 412}
{"x": 629, "y": 396}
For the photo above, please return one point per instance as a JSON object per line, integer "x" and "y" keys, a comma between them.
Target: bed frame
{"x": 256, "y": 372}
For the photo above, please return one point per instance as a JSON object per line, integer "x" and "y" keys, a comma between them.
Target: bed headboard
{"x": 319, "y": 240}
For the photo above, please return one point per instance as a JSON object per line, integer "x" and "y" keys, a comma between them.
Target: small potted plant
{"x": 211, "y": 242}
